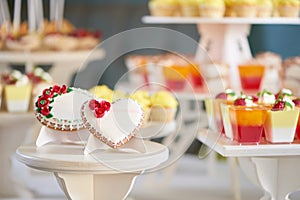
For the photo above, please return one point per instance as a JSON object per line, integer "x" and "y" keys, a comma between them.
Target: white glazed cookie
{"x": 59, "y": 107}
{"x": 114, "y": 125}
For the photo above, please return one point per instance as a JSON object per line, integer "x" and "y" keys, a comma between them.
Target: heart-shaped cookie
{"x": 58, "y": 107}
{"x": 116, "y": 125}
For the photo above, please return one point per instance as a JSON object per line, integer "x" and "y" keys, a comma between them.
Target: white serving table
{"x": 13, "y": 129}
{"x": 273, "y": 167}
{"x": 101, "y": 175}
{"x": 65, "y": 63}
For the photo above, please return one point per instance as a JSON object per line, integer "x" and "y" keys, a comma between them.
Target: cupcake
{"x": 281, "y": 121}
{"x": 17, "y": 91}
{"x": 143, "y": 98}
{"x": 264, "y": 8}
{"x": 245, "y": 8}
{"x": 102, "y": 92}
{"x": 247, "y": 121}
{"x": 229, "y": 8}
{"x": 164, "y": 8}
{"x": 163, "y": 107}
{"x": 288, "y": 8}
{"x": 189, "y": 8}
{"x": 212, "y": 8}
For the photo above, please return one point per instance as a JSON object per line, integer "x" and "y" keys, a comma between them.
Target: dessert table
{"x": 269, "y": 166}
{"x": 103, "y": 175}
{"x": 12, "y": 135}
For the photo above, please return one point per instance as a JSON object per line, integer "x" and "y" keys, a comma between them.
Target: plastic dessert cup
{"x": 218, "y": 114}
{"x": 210, "y": 113}
{"x": 247, "y": 123}
{"x": 176, "y": 76}
{"x": 280, "y": 126}
{"x": 226, "y": 121}
{"x": 251, "y": 76}
{"x": 17, "y": 97}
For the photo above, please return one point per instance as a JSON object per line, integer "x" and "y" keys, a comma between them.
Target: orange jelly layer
{"x": 251, "y": 70}
{"x": 176, "y": 72}
{"x": 247, "y": 116}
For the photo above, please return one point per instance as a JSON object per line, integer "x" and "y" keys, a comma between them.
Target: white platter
{"x": 228, "y": 148}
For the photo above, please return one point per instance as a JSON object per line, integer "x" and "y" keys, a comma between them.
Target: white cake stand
{"x": 100, "y": 175}
{"x": 273, "y": 167}
{"x": 12, "y": 134}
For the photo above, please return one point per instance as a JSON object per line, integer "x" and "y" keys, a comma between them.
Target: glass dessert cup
{"x": 247, "y": 123}
{"x": 175, "y": 77}
{"x": 209, "y": 106}
{"x": 280, "y": 126}
{"x": 226, "y": 120}
{"x": 251, "y": 76}
{"x": 218, "y": 113}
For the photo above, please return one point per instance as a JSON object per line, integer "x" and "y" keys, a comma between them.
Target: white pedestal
{"x": 101, "y": 175}
{"x": 13, "y": 131}
{"x": 273, "y": 167}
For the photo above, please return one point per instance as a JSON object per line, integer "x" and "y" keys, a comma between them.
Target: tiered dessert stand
{"x": 101, "y": 175}
{"x": 13, "y": 125}
{"x": 273, "y": 167}
{"x": 224, "y": 39}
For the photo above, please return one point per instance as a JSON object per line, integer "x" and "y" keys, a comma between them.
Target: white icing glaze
{"x": 120, "y": 122}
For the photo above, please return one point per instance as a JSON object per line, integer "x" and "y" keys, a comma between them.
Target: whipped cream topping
{"x": 231, "y": 96}
{"x": 20, "y": 78}
{"x": 289, "y": 104}
{"x": 266, "y": 97}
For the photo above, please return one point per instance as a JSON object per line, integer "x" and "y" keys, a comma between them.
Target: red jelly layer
{"x": 252, "y": 83}
{"x": 247, "y": 134}
{"x": 197, "y": 81}
{"x": 176, "y": 84}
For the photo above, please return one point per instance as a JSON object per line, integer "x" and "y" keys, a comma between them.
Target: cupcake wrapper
{"x": 162, "y": 114}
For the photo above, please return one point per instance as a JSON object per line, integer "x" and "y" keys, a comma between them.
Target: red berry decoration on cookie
{"x": 47, "y": 97}
{"x": 99, "y": 108}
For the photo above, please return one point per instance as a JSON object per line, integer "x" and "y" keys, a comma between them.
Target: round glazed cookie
{"x": 113, "y": 124}
{"x": 58, "y": 107}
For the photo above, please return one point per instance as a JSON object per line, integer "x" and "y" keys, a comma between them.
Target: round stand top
{"x": 71, "y": 158}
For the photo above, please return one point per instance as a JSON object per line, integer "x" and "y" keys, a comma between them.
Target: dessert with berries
{"x": 17, "y": 91}
{"x": 247, "y": 120}
{"x": 281, "y": 121}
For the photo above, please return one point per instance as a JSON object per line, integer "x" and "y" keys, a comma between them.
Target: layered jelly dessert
{"x": 251, "y": 76}
{"x": 297, "y": 105}
{"x": 281, "y": 121}
{"x": 247, "y": 122}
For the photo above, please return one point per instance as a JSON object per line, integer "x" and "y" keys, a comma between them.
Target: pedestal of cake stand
{"x": 100, "y": 175}
{"x": 277, "y": 176}
{"x": 13, "y": 129}
{"x": 96, "y": 186}
{"x": 225, "y": 42}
